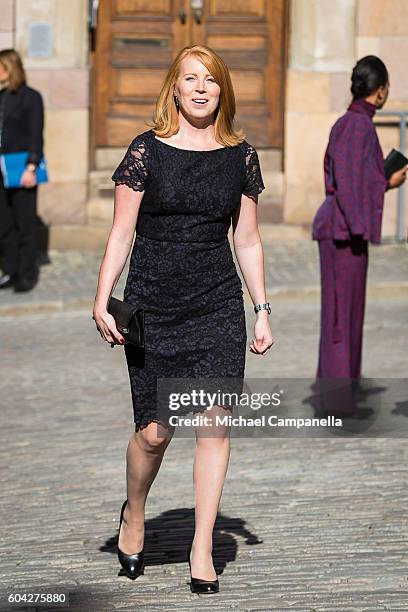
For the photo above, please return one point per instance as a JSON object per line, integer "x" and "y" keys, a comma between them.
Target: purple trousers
{"x": 343, "y": 268}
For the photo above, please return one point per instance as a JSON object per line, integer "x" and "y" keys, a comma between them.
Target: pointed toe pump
{"x": 133, "y": 565}
{"x": 198, "y": 585}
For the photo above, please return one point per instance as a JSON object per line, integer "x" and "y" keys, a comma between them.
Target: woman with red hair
{"x": 180, "y": 185}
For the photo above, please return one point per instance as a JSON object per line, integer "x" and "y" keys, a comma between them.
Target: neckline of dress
{"x": 187, "y": 150}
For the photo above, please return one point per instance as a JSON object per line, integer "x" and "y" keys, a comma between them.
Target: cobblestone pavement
{"x": 305, "y": 524}
{"x": 291, "y": 270}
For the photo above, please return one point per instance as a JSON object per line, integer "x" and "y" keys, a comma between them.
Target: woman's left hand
{"x": 398, "y": 177}
{"x": 263, "y": 338}
{"x": 28, "y": 179}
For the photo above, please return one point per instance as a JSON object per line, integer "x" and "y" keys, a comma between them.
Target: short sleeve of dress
{"x": 253, "y": 184}
{"x": 133, "y": 169}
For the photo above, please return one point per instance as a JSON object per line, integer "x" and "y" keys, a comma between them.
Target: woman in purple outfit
{"x": 350, "y": 218}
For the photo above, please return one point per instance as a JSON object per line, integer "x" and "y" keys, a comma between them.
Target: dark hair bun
{"x": 368, "y": 75}
{"x": 359, "y": 87}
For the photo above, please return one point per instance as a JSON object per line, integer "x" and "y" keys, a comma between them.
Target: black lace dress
{"x": 181, "y": 267}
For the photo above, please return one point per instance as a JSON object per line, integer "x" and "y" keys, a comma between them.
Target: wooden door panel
{"x": 240, "y": 8}
{"x": 139, "y": 8}
{"x": 249, "y": 35}
{"x": 136, "y": 43}
{"x": 138, "y": 39}
{"x": 121, "y": 131}
{"x": 127, "y": 84}
{"x": 135, "y": 49}
{"x": 249, "y": 85}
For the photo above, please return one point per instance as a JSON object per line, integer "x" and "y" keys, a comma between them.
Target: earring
{"x": 176, "y": 101}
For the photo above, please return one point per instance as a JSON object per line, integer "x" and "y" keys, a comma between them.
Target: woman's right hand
{"x": 397, "y": 178}
{"x": 107, "y": 326}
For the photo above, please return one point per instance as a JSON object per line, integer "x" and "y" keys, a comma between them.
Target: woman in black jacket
{"x": 21, "y": 129}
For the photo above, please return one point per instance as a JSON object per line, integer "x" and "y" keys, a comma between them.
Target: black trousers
{"x": 18, "y": 231}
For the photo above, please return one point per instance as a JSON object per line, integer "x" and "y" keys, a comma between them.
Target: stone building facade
{"x": 327, "y": 37}
{"x": 324, "y": 40}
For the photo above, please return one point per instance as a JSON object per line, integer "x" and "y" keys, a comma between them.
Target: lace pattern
{"x": 181, "y": 268}
{"x": 254, "y": 184}
{"x": 133, "y": 169}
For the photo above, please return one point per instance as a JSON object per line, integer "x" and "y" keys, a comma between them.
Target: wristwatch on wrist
{"x": 265, "y": 306}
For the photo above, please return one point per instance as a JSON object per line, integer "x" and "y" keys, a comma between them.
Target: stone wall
{"x": 382, "y": 29}
{"x": 326, "y": 39}
{"x": 7, "y": 24}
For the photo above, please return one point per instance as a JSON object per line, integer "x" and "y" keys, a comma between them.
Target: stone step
{"x": 94, "y": 236}
{"x": 101, "y": 185}
{"x": 107, "y": 159}
{"x": 100, "y": 210}
{"x": 77, "y": 237}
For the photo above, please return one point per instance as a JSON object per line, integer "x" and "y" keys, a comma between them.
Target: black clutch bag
{"x": 130, "y": 321}
{"x": 394, "y": 162}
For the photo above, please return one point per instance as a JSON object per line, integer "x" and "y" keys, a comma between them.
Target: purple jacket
{"x": 354, "y": 179}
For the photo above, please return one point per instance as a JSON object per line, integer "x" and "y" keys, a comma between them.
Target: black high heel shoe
{"x": 133, "y": 565}
{"x": 198, "y": 585}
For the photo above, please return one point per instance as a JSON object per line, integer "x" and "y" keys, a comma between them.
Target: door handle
{"x": 197, "y": 10}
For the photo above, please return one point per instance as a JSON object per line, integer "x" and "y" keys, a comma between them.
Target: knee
{"x": 154, "y": 437}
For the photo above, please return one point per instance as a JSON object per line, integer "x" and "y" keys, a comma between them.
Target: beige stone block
{"x": 60, "y": 203}
{"x": 271, "y": 167}
{"x": 69, "y": 26}
{"x": 78, "y": 237}
{"x": 107, "y": 158}
{"x": 307, "y": 92}
{"x": 389, "y": 224}
{"x": 388, "y": 136}
{"x": 304, "y": 183}
{"x": 393, "y": 52}
{"x": 61, "y": 88}
{"x": 66, "y": 145}
{"x": 389, "y": 139}
{"x": 69, "y": 88}
{"x": 7, "y": 16}
{"x": 99, "y": 210}
{"x": 322, "y": 36}
{"x": 367, "y": 45}
{"x": 41, "y": 80}
{"x": 340, "y": 94}
{"x": 382, "y": 18}
{"x": 295, "y": 210}
{"x": 394, "y": 104}
{"x": 306, "y": 141}
{"x": 6, "y": 40}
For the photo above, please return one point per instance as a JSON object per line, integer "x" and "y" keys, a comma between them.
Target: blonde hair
{"x": 166, "y": 120}
{"x": 11, "y": 61}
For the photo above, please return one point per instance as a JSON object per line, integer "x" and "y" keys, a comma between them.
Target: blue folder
{"x": 13, "y": 165}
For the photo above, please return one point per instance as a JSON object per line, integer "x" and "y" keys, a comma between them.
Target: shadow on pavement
{"x": 168, "y": 536}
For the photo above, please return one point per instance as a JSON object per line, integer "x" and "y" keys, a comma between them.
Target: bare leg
{"x": 210, "y": 469}
{"x": 143, "y": 459}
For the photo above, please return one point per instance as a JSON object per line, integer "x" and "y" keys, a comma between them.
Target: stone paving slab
{"x": 291, "y": 271}
{"x": 305, "y": 524}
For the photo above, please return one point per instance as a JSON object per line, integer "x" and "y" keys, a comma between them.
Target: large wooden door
{"x": 138, "y": 39}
